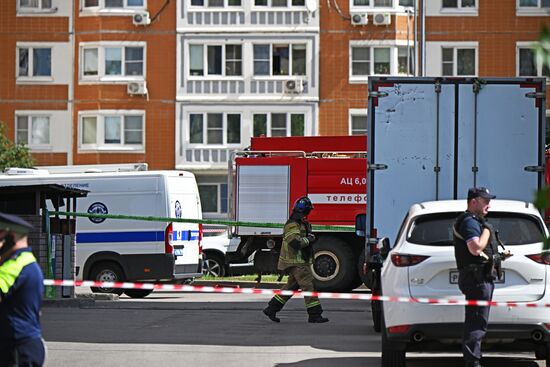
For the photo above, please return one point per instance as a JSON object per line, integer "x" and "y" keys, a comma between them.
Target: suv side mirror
{"x": 384, "y": 246}
{"x": 361, "y": 225}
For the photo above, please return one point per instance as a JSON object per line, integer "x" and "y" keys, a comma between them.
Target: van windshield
{"x": 437, "y": 229}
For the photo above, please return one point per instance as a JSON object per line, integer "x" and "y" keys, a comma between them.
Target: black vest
{"x": 463, "y": 256}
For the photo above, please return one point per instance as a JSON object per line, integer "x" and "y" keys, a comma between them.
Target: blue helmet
{"x": 303, "y": 206}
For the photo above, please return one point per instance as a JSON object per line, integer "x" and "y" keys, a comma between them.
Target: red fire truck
{"x": 268, "y": 178}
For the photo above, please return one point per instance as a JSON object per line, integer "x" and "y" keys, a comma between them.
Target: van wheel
{"x": 333, "y": 265}
{"x": 213, "y": 265}
{"x": 138, "y": 293}
{"x": 107, "y": 272}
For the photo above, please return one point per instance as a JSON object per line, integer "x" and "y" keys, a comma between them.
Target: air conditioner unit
{"x": 294, "y": 86}
{"x": 135, "y": 88}
{"x": 381, "y": 18}
{"x": 359, "y": 19}
{"x": 141, "y": 18}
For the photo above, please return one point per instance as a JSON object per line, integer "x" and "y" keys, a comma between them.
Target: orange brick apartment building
{"x": 462, "y": 38}
{"x": 83, "y": 84}
{"x": 184, "y": 83}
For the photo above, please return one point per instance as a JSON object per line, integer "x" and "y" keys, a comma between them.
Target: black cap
{"x": 12, "y": 223}
{"x": 477, "y": 192}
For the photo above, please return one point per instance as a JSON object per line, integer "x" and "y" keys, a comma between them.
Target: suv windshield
{"x": 437, "y": 229}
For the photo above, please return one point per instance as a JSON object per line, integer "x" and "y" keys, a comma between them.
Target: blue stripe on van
{"x": 148, "y": 236}
{"x": 96, "y": 237}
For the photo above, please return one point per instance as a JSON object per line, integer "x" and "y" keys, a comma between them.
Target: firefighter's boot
{"x": 315, "y": 315}
{"x": 272, "y": 308}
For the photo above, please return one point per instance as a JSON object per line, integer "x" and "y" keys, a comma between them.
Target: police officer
{"x": 295, "y": 259}
{"x": 21, "y": 290}
{"x": 472, "y": 236}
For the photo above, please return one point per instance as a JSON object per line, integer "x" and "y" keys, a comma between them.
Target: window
{"x": 219, "y": 60}
{"x": 112, "y": 130}
{"x": 534, "y": 4}
{"x": 370, "y": 60}
{"x": 279, "y": 3}
{"x": 32, "y": 130}
{"x": 358, "y": 124}
{"x": 34, "y": 4}
{"x": 278, "y": 124}
{"x": 113, "y": 4}
{"x": 280, "y": 59}
{"x": 216, "y": 3}
{"x": 458, "y": 4}
{"x": 213, "y": 198}
{"x": 34, "y": 62}
{"x": 529, "y": 64}
{"x": 457, "y": 61}
{"x": 214, "y": 128}
{"x": 404, "y": 63}
{"x": 112, "y": 61}
{"x": 382, "y": 3}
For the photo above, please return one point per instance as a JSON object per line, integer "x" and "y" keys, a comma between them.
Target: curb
{"x": 238, "y": 284}
{"x": 69, "y": 302}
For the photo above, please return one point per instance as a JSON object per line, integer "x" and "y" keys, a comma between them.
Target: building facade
{"x": 183, "y": 84}
{"x": 454, "y": 38}
{"x": 245, "y": 68}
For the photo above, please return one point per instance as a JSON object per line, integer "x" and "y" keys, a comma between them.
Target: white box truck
{"x": 131, "y": 250}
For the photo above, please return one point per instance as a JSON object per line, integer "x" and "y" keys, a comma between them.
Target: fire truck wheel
{"x": 333, "y": 267}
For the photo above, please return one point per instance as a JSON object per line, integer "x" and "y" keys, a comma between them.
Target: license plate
{"x": 453, "y": 277}
{"x": 178, "y": 252}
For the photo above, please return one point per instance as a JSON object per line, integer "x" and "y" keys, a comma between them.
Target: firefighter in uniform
{"x": 21, "y": 290}
{"x": 295, "y": 260}
{"x": 474, "y": 254}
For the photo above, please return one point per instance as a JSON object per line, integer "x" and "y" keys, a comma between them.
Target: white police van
{"x": 131, "y": 250}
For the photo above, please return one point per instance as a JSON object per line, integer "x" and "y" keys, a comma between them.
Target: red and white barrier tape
{"x": 271, "y": 292}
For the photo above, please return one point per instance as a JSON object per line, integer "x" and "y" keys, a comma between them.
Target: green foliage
{"x": 11, "y": 154}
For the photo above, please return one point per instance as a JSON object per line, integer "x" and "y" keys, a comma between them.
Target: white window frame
{"x": 535, "y": 11}
{"x": 205, "y": 61}
{"x": 539, "y": 62}
{"x": 372, "y": 44}
{"x": 205, "y": 143}
{"x": 219, "y": 196}
{"x": 100, "y": 144}
{"x": 36, "y": 9}
{"x": 456, "y": 47}
{"x": 30, "y": 77}
{"x": 288, "y": 121}
{"x": 206, "y": 5}
{"x": 353, "y": 112}
{"x": 101, "y": 9}
{"x": 30, "y": 115}
{"x": 271, "y": 7}
{"x": 460, "y": 10}
{"x": 290, "y": 60}
{"x": 102, "y": 77}
{"x": 394, "y": 8}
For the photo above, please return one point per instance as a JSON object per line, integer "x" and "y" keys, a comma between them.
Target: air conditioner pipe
{"x": 418, "y": 337}
{"x": 537, "y": 335}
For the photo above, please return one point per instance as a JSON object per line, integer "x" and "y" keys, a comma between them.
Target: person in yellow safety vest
{"x": 295, "y": 260}
{"x": 21, "y": 291}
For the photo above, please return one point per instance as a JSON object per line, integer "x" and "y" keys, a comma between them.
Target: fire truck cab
{"x": 266, "y": 180}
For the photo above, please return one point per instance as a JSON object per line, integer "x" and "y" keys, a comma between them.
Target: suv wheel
{"x": 393, "y": 353}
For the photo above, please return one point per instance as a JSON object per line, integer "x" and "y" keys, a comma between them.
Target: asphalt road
{"x": 224, "y": 330}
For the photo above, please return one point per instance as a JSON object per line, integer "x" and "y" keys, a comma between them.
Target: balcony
{"x": 285, "y": 19}
{"x": 206, "y": 157}
{"x": 290, "y": 87}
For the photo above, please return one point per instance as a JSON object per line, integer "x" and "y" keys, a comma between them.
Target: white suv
{"x": 422, "y": 264}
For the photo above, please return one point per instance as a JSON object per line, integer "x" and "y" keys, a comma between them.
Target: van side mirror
{"x": 361, "y": 225}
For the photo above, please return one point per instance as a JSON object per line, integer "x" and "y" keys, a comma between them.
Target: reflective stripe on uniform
{"x": 313, "y": 304}
{"x": 10, "y": 270}
{"x": 279, "y": 298}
